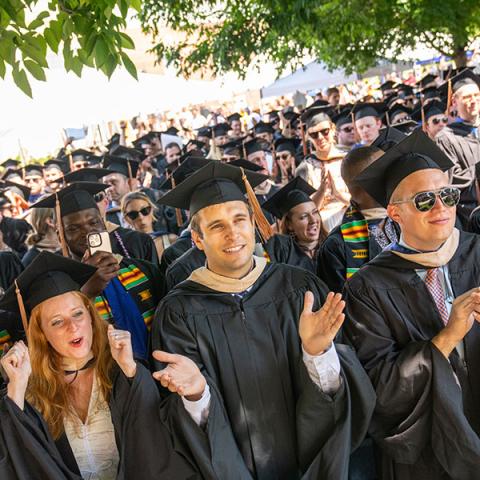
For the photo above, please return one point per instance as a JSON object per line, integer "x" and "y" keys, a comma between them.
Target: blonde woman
{"x": 44, "y": 236}
{"x": 139, "y": 212}
{"x": 77, "y": 405}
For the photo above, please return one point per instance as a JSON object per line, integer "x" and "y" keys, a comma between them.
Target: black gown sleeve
{"x": 144, "y": 443}
{"x": 213, "y": 449}
{"x": 331, "y": 266}
{"x": 27, "y": 450}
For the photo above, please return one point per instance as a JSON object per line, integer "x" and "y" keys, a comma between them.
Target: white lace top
{"x": 93, "y": 442}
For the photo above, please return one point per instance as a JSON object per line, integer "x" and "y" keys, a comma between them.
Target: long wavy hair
{"x": 286, "y": 230}
{"x": 47, "y": 389}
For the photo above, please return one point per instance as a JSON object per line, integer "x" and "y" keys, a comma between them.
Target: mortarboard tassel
{"x": 449, "y": 98}
{"x": 70, "y": 161}
{"x": 304, "y": 143}
{"x": 21, "y": 307}
{"x": 178, "y": 213}
{"x": 61, "y": 233}
{"x": 264, "y": 228}
{"x": 422, "y": 111}
{"x": 130, "y": 176}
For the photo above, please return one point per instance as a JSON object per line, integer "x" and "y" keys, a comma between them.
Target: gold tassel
{"x": 61, "y": 233}
{"x": 449, "y": 98}
{"x": 304, "y": 142}
{"x": 130, "y": 176}
{"x": 424, "y": 126}
{"x": 21, "y": 307}
{"x": 178, "y": 213}
{"x": 264, "y": 228}
{"x": 70, "y": 161}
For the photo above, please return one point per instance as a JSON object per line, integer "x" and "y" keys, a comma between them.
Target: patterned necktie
{"x": 432, "y": 281}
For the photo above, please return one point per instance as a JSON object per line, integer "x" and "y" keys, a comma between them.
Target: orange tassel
{"x": 178, "y": 213}
{"x": 449, "y": 98}
{"x": 130, "y": 176}
{"x": 21, "y": 307}
{"x": 424, "y": 126}
{"x": 263, "y": 227}
{"x": 61, "y": 233}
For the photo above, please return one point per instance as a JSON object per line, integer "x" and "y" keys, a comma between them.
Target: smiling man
{"x": 412, "y": 315}
{"x": 275, "y": 398}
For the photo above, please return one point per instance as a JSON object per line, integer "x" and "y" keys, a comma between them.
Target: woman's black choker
{"x": 85, "y": 367}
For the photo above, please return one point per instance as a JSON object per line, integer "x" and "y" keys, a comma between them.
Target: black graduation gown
{"x": 419, "y": 423}
{"x": 28, "y": 452}
{"x": 458, "y": 142}
{"x": 171, "y": 253}
{"x": 267, "y": 420}
{"x": 10, "y": 268}
{"x": 137, "y": 244}
{"x": 15, "y": 232}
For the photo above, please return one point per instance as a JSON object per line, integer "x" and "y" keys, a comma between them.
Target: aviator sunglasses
{"x": 133, "y": 214}
{"x": 425, "y": 201}
{"x": 437, "y": 121}
{"x": 324, "y": 132}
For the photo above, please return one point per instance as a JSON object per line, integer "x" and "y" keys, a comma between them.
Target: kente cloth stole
{"x": 136, "y": 284}
{"x": 4, "y": 338}
{"x": 354, "y": 229}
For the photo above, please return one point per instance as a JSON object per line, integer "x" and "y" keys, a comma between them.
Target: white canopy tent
{"x": 312, "y": 76}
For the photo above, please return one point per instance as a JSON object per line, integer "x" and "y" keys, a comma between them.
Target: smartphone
{"x": 99, "y": 242}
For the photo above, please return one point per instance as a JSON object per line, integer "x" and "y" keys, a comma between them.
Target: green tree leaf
{"x": 129, "y": 65}
{"x": 21, "y": 80}
{"x": 35, "y": 69}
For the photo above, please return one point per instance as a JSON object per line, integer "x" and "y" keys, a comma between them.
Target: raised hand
{"x": 317, "y": 330}
{"x": 181, "y": 376}
{"x": 122, "y": 352}
{"x": 108, "y": 268}
{"x": 16, "y": 364}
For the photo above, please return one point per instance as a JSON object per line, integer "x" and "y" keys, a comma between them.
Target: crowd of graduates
{"x": 293, "y": 296}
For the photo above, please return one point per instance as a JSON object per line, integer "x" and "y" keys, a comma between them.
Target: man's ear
{"x": 197, "y": 240}
{"x": 392, "y": 212}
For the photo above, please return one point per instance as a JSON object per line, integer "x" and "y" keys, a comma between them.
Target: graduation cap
{"x": 145, "y": 139}
{"x": 221, "y": 129}
{"x": 430, "y": 92}
{"x": 342, "y": 118}
{"x": 388, "y": 85}
{"x": 310, "y": 113}
{"x": 88, "y": 174}
{"x": 396, "y": 109}
{"x": 189, "y": 166}
{"x": 426, "y": 80}
{"x": 294, "y": 193}
{"x": 406, "y": 126}
{"x": 245, "y": 164}
{"x": 18, "y": 188}
{"x": 290, "y": 115}
{"x": 204, "y": 132}
{"x": 48, "y": 276}
{"x": 57, "y": 165}
{"x": 414, "y": 153}
{"x": 114, "y": 140}
{"x": 231, "y": 148}
{"x": 124, "y": 166}
{"x": 33, "y": 170}
{"x": 253, "y": 146}
{"x": 263, "y": 127}
{"x": 465, "y": 77}
{"x": 71, "y": 199}
{"x": 198, "y": 144}
{"x": 273, "y": 116}
{"x": 171, "y": 131}
{"x": 10, "y": 163}
{"x": 388, "y": 137}
{"x": 435, "y": 107}
{"x": 10, "y": 173}
{"x": 234, "y": 117}
{"x": 216, "y": 183}
{"x": 404, "y": 90}
{"x": 368, "y": 109}
{"x": 320, "y": 103}
{"x": 127, "y": 152}
{"x": 286, "y": 145}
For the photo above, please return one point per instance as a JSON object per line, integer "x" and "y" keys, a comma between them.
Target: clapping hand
{"x": 181, "y": 375}
{"x": 122, "y": 352}
{"x": 16, "y": 364}
{"x": 318, "y": 329}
